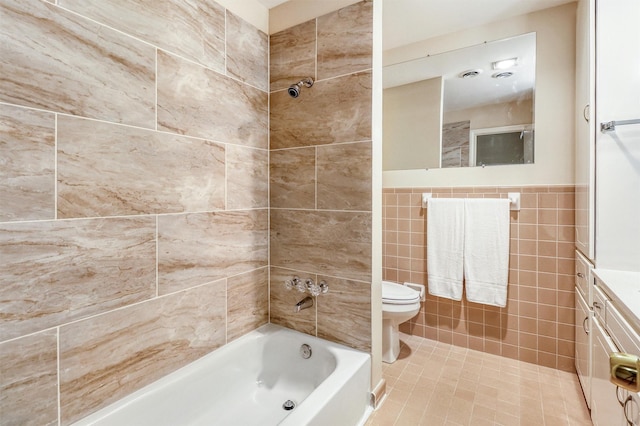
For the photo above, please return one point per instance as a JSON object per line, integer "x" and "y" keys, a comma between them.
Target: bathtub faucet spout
{"x": 305, "y": 303}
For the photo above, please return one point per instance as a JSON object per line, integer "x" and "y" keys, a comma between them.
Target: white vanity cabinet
{"x": 614, "y": 329}
{"x": 607, "y": 123}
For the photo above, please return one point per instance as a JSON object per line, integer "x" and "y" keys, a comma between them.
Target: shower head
{"x": 294, "y": 89}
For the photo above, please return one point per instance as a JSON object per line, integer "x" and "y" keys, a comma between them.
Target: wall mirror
{"x": 467, "y": 107}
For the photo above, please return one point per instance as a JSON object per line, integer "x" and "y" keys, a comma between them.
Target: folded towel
{"x": 486, "y": 250}
{"x": 445, "y": 244}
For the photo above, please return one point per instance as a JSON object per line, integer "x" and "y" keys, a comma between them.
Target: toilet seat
{"x": 397, "y": 294}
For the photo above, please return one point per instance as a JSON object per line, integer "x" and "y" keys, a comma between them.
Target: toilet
{"x": 400, "y": 303}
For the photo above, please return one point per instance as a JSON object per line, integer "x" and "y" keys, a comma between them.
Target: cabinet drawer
{"x": 583, "y": 275}
{"x": 600, "y": 300}
{"x": 621, "y": 331}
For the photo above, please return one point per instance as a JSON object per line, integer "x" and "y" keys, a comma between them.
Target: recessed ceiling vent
{"x": 470, "y": 73}
{"x": 505, "y": 74}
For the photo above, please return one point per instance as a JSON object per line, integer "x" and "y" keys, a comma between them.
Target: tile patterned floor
{"x": 434, "y": 383}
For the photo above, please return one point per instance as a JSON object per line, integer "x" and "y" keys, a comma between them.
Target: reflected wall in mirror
{"x": 461, "y": 108}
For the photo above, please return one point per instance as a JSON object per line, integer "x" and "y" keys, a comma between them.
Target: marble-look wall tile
{"x": 293, "y": 55}
{"x": 336, "y": 110}
{"x": 283, "y": 301}
{"x": 247, "y": 302}
{"x": 247, "y": 52}
{"x": 247, "y": 177}
{"x": 455, "y": 144}
{"x": 107, "y": 169}
{"x": 106, "y": 357}
{"x": 344, "y": 313}
{"x": 27, "y": 160}
{"x": 198, "y": 248}
{"x": 196, "y": 101}
{"x": 192, "y": 29}
{"x": 29, "y": 380}
{"x": 56, "y": 272}
{"x": 325, "y": 242}
{"x": 344, "y": 176}
{"x": 55, "y": 60}
{"x": 451, "y": 157}
{"x": 293, "y": 178}
{"x": 345, "y": 42}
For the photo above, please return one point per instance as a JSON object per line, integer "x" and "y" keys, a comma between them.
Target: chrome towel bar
{"x": 610, "y": 126}
{"x": 514, "y": 200}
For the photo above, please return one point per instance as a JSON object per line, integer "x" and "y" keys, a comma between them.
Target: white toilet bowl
{"x": 400, "y": 303}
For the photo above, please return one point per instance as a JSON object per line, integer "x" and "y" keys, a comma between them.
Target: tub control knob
{"x": 289, "y": 405}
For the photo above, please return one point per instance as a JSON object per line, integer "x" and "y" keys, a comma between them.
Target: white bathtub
{"x": 247, "y": 382}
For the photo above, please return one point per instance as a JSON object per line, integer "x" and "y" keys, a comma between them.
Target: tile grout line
{"x": 58, "y": 375}
{"x": 55, "y": 166}
{"x": 157, "y": 232}
{"x": 156, "y": 81}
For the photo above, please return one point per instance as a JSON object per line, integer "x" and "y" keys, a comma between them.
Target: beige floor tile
{"x": 438, "y": 384}
{"x": 410, "y": 416}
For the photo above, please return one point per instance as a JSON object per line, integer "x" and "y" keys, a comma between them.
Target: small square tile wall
{"x": 134, "y": 218}
{"x": 537, "y": 325}
{"x": 320, "y": 173}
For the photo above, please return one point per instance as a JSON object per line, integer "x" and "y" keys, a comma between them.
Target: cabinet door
{"x": 583, "y": 346}
{"x": 585, "y": 127}
{"x": 605, "y": 407}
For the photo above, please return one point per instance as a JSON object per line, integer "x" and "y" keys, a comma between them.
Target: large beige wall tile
{"x": 107, "y": 169}
{"x": 336, "y": 110}
{"x": 327, "y": 242}
{"x": 247, "y": 52}
{"x": 283, "y": 301}
{"x": 293, "y": 178}
{"x": 247, "y": 302}
{"x": 293, "y": 55}
{"x": 192, "y": 29}
{"x": 27, "y": 149}
{"x": 198, "y": 248}
{"x": 345, "y": 40}
{"x": 55, "y": 60}
{"x": 344, "y": 176}
{"x": 344, "y": 313}
{"x": 56, "y": 272}
{"x": 29, "y": 380}
{"x": 247, "y": 177}
{"x": 196, "y": 101}
{"x": 104, "y": 358}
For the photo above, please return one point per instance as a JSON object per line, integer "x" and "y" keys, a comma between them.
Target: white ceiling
{"x": 271, "y": 3}
{"x": 409, "y": 21}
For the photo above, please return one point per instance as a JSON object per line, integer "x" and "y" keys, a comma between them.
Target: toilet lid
{"x": 397, "y": 294}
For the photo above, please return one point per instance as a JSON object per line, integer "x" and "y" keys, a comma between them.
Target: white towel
{"x": 486, "y": 250}
{"x": 445, "y": 244}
